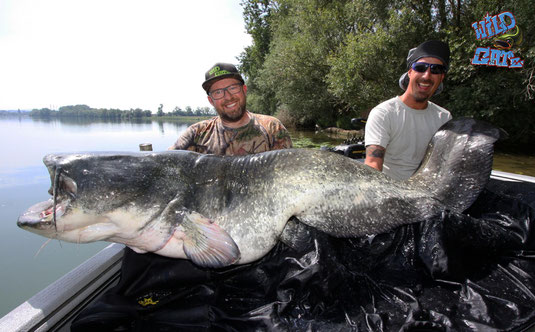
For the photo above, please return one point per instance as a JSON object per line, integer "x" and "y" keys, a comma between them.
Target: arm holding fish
{"x": 375, "y": 156}
{"x": 279, "y": 135}
{"x": 377, "y": 139}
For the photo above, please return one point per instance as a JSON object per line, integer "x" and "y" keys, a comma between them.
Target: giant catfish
{"x": 221, "y": 210}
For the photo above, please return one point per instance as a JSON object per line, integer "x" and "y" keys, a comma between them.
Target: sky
{"x": 114, "y": 53}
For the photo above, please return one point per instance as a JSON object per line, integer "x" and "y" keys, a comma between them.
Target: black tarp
{"x": 469, "y": 272}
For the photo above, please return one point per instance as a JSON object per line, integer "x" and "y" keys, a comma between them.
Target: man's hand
{"x": 375, "y": 156}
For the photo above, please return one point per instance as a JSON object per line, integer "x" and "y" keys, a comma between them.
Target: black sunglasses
{"x": 421, "y": 67}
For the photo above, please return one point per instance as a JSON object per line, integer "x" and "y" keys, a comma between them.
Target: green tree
{"x": 160, "y": 110}
{"x": 42, "y": 113}
{"x": 258, "y": 17}
{"x": 304, "y": 35}
{"x": 178, "y": 111}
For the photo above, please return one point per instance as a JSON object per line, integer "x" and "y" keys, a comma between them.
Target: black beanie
{"x": 431, "y": 48}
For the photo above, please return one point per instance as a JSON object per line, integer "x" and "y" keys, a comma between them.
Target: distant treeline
{"x": 13, "y": 112}
{"x": 84, "y": 111}
{"x": 188, "y": 111}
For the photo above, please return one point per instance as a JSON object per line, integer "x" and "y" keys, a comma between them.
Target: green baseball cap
{"x": 219, "y": 71}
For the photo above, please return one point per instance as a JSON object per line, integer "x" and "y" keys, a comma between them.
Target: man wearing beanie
{"x": 235, "y": 131}
{"x": 399, "y": 129}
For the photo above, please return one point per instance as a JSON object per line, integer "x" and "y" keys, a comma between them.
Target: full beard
{"x": 233, "y": 115}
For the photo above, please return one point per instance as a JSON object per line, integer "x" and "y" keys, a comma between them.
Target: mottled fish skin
{"x": 159, "y": 201}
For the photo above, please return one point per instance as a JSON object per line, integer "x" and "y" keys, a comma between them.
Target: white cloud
{"x": 114, "y": 53}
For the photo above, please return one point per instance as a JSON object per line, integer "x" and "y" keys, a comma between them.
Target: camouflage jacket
{"x": 262, "y": 133}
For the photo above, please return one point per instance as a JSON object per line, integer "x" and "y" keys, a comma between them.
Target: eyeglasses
{"x": 220, "y": 93}
{"x": 421, "y": 67}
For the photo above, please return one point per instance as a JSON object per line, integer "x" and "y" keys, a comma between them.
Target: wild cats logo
{"x": 506, "y": 35}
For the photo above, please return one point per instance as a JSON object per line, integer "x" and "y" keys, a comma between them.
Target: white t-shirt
{"x": 404, "y": 132}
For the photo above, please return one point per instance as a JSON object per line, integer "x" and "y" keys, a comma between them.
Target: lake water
{"x": 24, "y": 181}
{"x": 25, "y": 267}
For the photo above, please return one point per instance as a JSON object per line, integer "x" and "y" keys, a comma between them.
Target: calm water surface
{"x": 24, "y": 181}
{"x": 25, "y": 267}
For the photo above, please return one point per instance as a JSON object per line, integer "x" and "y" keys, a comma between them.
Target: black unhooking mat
{"x": 470, "y": 272}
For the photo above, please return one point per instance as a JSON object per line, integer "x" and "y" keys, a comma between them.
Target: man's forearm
{"x": 375, "y": 156}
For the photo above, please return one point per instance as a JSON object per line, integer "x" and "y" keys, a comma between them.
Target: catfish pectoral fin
{"x": 207, "y": 244}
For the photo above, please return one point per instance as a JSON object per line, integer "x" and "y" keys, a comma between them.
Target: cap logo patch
{"x": 216, "y": 71}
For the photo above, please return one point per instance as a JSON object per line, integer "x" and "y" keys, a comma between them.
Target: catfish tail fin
{"x": 458, "y": 162}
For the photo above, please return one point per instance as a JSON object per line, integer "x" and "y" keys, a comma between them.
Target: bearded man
{"x": 235, "y": 131}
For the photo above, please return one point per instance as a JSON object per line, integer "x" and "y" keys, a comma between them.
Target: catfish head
{"x": 137, "y": 199}
{"x": 94, "y": 194}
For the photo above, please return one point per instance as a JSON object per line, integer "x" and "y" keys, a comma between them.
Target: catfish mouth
{"x": 44, "y": 215}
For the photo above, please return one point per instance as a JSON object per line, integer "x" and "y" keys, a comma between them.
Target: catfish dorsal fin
{"x": 206, "y": 244}
{"x": 458, "y": 162}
